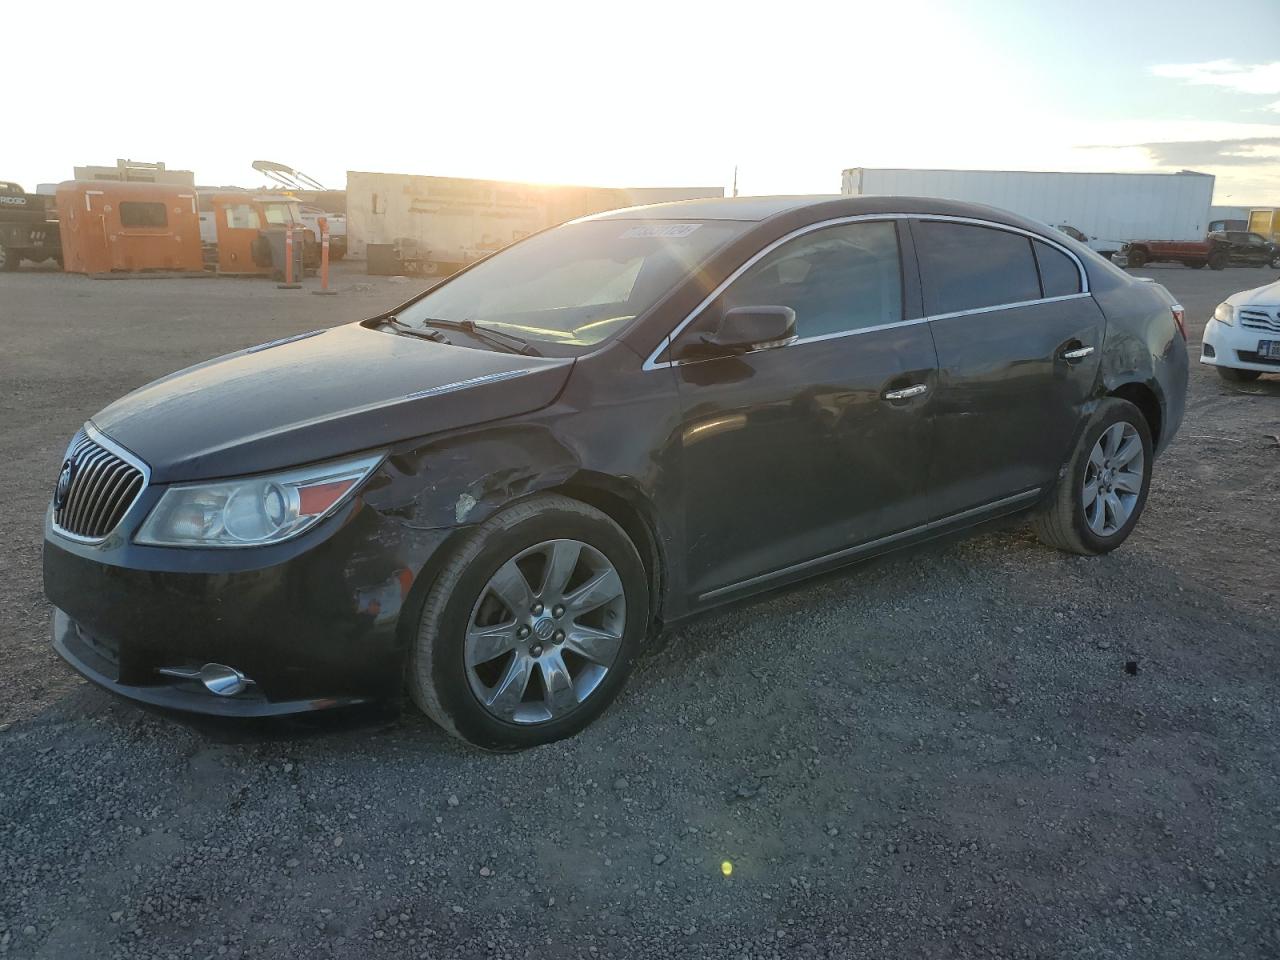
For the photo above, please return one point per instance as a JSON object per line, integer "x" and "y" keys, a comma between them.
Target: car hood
{"x": 320, "y": 395}
{"x": 1264, "y": 296}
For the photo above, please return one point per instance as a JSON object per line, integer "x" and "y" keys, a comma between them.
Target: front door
{"x": 795, "y": 452}
{"x": 1018, "y": 351}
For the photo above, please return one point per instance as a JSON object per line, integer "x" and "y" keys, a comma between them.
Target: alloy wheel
{"x": 1113, "y": 479}
{"x": 545, "y": 631}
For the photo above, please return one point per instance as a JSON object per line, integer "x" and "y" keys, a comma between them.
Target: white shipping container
{"x": 1108, "y": 208}
{"x": 454, "y": 220}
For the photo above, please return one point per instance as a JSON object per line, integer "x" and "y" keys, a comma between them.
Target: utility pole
{"x": 735, "y": 179}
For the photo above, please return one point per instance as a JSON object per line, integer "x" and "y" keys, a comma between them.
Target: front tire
{"x": 1232, "y": 375}
{"x": 531, "y": 628}
{"x": 1137, "y": 259}
{"x": 1100, "y": 497}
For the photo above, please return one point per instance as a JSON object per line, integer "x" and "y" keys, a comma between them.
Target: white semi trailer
{"x": 436, "y": 225}
{"x": 1108, "y": 209}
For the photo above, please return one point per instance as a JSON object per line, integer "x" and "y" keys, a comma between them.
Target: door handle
{"x": 906, "y": 393}
{"x": 1079, "y": 353}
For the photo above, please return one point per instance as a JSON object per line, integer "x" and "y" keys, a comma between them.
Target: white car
{"x": 1243, "y": 338}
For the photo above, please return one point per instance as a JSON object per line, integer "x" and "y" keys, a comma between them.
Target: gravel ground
{"x": 981, "y": 748}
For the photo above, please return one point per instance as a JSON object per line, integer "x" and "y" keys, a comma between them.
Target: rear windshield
{"x": 579, "y": 283}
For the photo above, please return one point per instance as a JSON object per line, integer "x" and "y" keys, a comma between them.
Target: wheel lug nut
{"x": 557, "y": 611}
{"x": 537, "y": 609}
{"x": 522, "y": 632}
{"x": 559, "y": 636}
{"x": 536, "y": 651}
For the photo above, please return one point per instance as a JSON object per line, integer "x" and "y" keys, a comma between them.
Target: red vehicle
{"x": 1193, "y": 253}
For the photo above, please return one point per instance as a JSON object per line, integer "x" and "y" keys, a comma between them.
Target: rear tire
{"x": 1064, "y": 521}
{"x": 1137, "y": 258}
{"x": 1218, "y": 261}
{"x": 1233, "y": 375}
{"x": 464, "y": 656}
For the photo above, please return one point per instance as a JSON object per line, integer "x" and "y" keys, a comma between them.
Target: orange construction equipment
{"x": 110, "y": 227}
{"x": 250, "y": 228}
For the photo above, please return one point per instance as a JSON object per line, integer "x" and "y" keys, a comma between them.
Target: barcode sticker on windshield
{"x": 665, "y": 231}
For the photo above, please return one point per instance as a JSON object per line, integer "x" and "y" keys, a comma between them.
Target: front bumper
{"x": 314, "y": 623}
{"x": 100, "y": 662}
{"x": 1236, "y": 346}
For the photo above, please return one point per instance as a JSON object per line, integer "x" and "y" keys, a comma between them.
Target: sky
{"x": 651, "y": 94}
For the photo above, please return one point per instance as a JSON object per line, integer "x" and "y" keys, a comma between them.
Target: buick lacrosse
{"x": 494, "y": 494}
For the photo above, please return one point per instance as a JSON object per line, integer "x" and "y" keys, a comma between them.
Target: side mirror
{"x": 748, "y": 328}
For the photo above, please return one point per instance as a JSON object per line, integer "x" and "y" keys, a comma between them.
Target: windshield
{"x": 281, "y": 213}
{"x": 576, "y": 284}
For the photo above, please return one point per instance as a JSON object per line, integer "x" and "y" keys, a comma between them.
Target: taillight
{"x": 1180, "y": 318}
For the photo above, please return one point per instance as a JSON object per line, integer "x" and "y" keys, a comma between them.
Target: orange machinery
{"x": 110, "y": 227}
{"x": 250, "y": 229}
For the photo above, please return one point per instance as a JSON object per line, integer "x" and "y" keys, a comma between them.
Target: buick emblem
{"x": 64, "y": 485}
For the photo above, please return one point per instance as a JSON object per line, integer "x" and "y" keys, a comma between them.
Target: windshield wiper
{"x": 409, "y": 331}
{"x": 507, "y": 341}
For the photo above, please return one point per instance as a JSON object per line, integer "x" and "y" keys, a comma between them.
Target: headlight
{"x": 253, "y": 511}
{"x": 1225, "y": 313}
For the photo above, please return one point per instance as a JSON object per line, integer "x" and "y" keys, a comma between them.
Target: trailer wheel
{"x": 9, "y": 259}
{"x": 1137, "y": 258}
{"x": 1218, "y": 261}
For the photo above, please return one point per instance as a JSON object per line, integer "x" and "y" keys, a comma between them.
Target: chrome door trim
{"x": 872, "y": 545}
{"x": 1006, "y": 306}
{"x": 652, "y": 362}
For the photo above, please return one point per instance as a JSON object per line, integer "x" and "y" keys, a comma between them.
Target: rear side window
{"x": 137, "y": 214}
{"x": 965, "y": 267}
{"x": 1058, "y": 274}
{"x": 838, "y": 279}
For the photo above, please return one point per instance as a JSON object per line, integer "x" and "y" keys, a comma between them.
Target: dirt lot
{"x": 946, "y": 757}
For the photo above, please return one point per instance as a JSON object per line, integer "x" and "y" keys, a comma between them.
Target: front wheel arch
{"x": 630, "y": 510}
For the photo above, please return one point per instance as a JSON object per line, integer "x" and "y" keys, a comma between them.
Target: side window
{"x": 137, "y": 214}
{"x": 1059, "y": 275}
{"x": 966, "y": 267}
{"x": 242, "y": 216}
{"x": 836, "y": 279}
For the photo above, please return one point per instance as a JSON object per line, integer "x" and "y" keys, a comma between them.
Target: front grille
{"x": 1257, "y": 319}
{"x": 102, "y": 488}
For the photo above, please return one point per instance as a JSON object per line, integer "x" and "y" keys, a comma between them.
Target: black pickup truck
{"x": 1247, "y": 248}
{"x": 28, "y": 227}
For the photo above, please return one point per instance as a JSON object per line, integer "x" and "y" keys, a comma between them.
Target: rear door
{"x": 796, "y": 452}
{"x": 1019, "y": 342}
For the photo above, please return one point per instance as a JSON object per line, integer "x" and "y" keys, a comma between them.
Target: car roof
{"x": 815, "y": 207}
{"x": 716, "y": 208}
